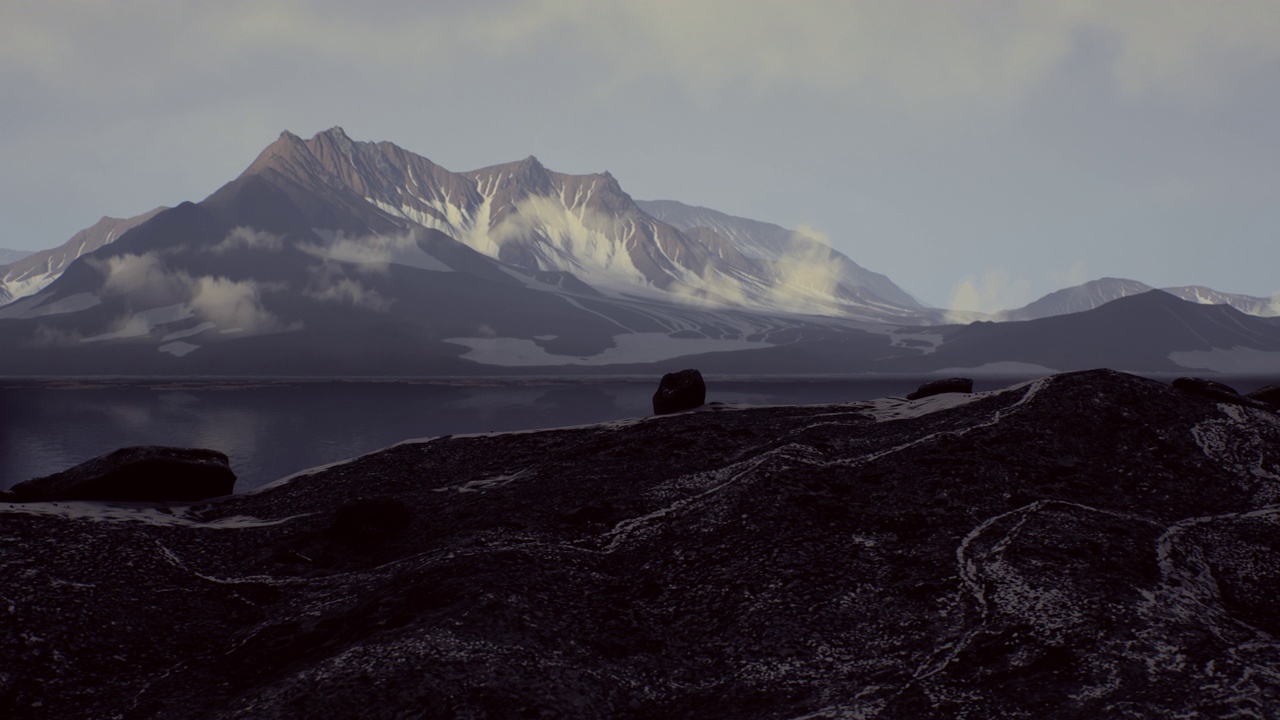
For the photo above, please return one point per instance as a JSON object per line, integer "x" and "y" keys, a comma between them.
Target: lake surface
{"x": 273, "y": 429}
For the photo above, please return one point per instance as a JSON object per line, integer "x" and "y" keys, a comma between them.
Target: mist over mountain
{"x": 329, "y": 256}
{"x": 29, "y": 273}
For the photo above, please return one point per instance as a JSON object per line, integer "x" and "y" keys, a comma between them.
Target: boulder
{"x": 938, "y": 387}
{"x": 146, "y": 473}
{"x": 678, "y": 391}
{"x": 1217, "y": 392}
{"x": 1269, "y": 394}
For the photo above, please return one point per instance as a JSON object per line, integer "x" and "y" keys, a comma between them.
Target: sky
{"x": 980, "y": 154}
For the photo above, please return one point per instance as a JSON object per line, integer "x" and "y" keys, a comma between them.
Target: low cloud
{"x": 813, "y": 233}
{"x": 243, "y": 238}
{"x": 146, "y": 279}
{"x": 147, "y": 282}
{"x": 231, "y": 305}
{"x": 375, "y": 254}
{"x": 45, "y": 336}
{"x": 995, "y": 290}
{"x": 330, "y": 283}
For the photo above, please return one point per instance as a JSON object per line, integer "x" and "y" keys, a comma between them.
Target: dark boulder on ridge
{"x": 147, "y": 473}
{"x": 938, "y": 387}
{"x": 678, "y": 391}
{"x": 1216, "y": 391}
{"x": 1269, "y": 394}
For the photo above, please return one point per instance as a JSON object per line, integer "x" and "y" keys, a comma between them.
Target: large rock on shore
{"x": 1269, "y": 395}
{"x": 146, "y": 473}
{"x": 678, "y": 391}
{"x": 1089, "y": 545}
{"x": 939, "y": 387}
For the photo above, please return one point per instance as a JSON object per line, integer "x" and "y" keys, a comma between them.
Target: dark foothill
{"x": 938, "y": 387}
{"x": 1216, "y": 391}
{"x": 1269, "y": 394}
{"x": 147, "y": 473}
{"x": 366, "y": 521}
{"x": 678, "y": 391}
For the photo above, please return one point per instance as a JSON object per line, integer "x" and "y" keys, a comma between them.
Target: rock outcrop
{"x": 141, "y": 474}
{"x": 1089, "y": 545}
{"x": 1216, "y": 391}
{"x": 1269, "y": 394}
{"x": 938, "y": 387}
{"x": 678, "y": 391}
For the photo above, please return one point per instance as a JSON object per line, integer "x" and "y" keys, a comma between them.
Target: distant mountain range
{"x": 1096, "y": 293}
{"x": 334, "y": 257}
{"x": 9, "y": 256}
{"x": 27, "y": 273}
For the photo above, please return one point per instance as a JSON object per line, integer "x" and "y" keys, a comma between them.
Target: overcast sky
{"x": 980, "y": 153}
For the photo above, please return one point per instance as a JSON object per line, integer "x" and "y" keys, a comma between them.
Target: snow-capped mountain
{"x": 30, "y": 273}
{"x": 1096, "y": 293}
{"x": 1076, "y": 299}
{"x": 525, "y": 215}
{"x": 1248, "y": 304}
{"x": 777, "y": 244}
{"x": 337, "y": 258}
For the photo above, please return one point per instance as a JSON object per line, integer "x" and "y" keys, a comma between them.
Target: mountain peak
{"x": 335, "y": 133}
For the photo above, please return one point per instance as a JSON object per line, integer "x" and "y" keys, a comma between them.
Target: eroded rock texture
{"x": 1087, "y": 545}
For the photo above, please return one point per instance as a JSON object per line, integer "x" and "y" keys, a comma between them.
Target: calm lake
{"x": 273, "y": 429}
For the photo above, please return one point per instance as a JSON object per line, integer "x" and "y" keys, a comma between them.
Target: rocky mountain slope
{"x": 778, "y": 244}
{"x": 1092, "y": 545}
{"x": 542, "y": 221}
{"x": 31, "y": 273}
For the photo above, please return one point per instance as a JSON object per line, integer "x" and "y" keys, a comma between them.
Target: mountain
{"x": 337, "y": 258}
{"x": 542, "y": 221}
{"x": 1079, "y": 298}
{"x": 1099, "y": 292}
{"x": 11, "y": 256}
{"x": 31, "y": 273}
{"x": 365, "y": 258}
{"x": 1249, "y": 304}
{"x": 1153, "y": 332}
{"x": 1092, "y": 545}
{"x": 777, "y": 244}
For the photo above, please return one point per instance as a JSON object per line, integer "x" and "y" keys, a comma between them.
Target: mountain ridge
{"x": 1094, "y": 293}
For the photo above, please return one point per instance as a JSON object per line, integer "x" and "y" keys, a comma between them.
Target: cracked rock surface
{"x": 1087, "y": 545}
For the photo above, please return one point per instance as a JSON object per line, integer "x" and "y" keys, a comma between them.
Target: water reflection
{"x": 270, "y": 430}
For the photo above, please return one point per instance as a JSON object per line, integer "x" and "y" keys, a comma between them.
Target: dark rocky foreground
{"x": 1088, "y": 545}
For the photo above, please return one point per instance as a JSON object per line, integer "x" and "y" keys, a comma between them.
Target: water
{"x": 273, "y": 429}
